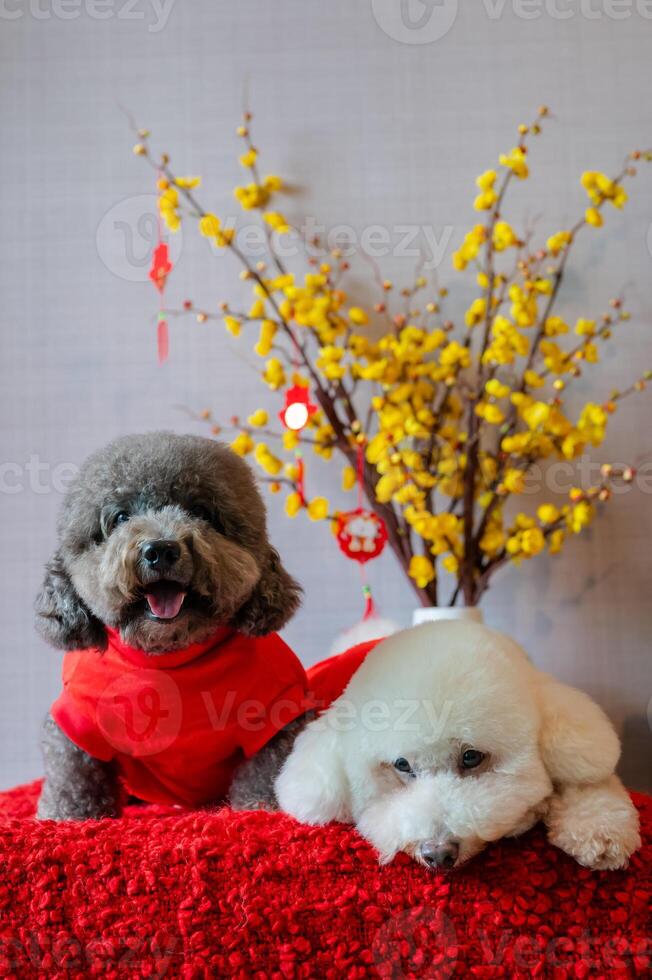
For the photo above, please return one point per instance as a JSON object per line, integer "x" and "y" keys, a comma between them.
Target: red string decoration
{"x": 361, "y": 535}
{"x": 370, "y": 609}
{"x": 295, "y": 415}
{"x": 301, "y": 477}
{"x": 159, "y": 272}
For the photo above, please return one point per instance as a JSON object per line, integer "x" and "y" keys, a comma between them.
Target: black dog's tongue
{"x": 165, "y": 599}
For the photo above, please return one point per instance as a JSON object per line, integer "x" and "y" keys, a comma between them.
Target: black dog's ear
{"x": 62, "y": 618}
{"x": 273, "y": 601}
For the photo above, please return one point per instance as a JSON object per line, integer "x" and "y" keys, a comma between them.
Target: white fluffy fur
{"x": 429, "y": 693}
{"x": 374, "y": 628}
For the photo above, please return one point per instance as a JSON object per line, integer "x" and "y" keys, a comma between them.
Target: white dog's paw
{"x": 596, "y": 825}
{"x": 596, "y": 849}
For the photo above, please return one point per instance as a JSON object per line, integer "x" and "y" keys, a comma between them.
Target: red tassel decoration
{"x": 162, "y": 338}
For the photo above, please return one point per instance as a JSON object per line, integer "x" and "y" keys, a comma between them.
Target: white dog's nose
{"x": 438, "y": 854}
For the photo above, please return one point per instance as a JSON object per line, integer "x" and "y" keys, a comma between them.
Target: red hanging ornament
{"x": 298, "y": 409}
{"x": 161, "y": 266}
{"x": 159, "y": 272}
{"x": 361, "y": 534}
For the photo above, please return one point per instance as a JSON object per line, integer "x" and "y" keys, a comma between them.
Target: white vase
{"x": 428, "y": 614}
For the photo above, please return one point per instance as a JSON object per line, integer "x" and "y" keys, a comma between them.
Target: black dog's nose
{"x": 439, "y": 855}
{"x": 161, "y": 554}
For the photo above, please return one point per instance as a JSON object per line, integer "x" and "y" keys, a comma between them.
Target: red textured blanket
{"x": 166, "y": 893}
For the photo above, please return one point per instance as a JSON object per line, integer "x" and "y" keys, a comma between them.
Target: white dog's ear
{"x": 577, "y": 741}
{"x": 312, "y": 785}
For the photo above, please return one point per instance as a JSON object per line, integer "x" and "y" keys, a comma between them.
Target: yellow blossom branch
{"x": 440, "y": 455}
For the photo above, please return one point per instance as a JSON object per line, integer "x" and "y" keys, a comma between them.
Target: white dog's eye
{"x": 403, "y": 766}
{"x": 471, "y": 758}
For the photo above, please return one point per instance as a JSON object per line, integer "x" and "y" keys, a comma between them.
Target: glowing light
{"x": 296, "y": 416}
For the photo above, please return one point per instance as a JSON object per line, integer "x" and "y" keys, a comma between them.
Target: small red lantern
{"x": 161, "y": 266}
{"x": 298, "y": 408}
{"x": 361, "y": 534}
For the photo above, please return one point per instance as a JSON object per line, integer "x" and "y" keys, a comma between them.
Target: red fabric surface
{"x": 168, "y": 893}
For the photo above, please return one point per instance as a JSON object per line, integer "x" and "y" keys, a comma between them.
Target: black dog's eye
{"x": 402, "y": 765}
{"x": 202, "y": 513}
{"x": 471, "y": 758}
{"x": 109, "y": 521}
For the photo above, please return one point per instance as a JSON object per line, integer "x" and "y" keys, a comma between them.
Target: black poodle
{"x": 163, "y": 549}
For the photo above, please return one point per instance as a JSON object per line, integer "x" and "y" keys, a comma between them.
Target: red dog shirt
{"x": 178, "y": 724}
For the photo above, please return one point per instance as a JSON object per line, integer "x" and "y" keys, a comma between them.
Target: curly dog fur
{"x": 196, "y": 502}
{"x": 447, "y": 738}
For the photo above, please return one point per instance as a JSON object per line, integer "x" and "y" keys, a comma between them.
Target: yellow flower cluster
{"x": 516, "y": 160}
{"x": 473, "y": 241}
{"x": 276, "y": 221}
{"x": 525, "y": 538}
{"x": 317, "y": 508}
{"x": 601, "y": 188}
{"x": 268, "y": 330}
{"x": 168, "y": 201}
{"x": 274, "y": 374}
{"x": 168, "y": 206}
{"x": 211, "y": 227}
{"x": 243, "y": 444}
{"x": 487, "y": 196}
{"x": 558, "y": 242}
{"x": 254, "y": 195}
{"x": 503, "y": 236}
{"x": 548, "y": 430}
{"x": 266, "y": 459}
{"x": 506, "y": 343}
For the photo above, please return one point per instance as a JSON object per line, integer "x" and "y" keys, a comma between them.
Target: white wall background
{"x": 372, "y": 127}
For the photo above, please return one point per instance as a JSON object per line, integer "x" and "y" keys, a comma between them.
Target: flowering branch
{"x": 450, "y": 425}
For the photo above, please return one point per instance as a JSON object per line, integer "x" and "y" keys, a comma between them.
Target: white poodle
{"x": 446, "y": 738}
